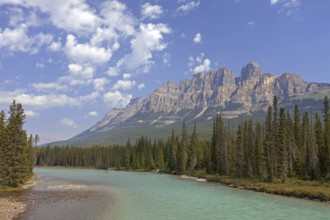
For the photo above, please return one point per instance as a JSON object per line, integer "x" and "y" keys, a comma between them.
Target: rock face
{"x": 206, "y": 94}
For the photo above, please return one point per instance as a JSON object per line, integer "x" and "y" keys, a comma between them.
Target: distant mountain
{"x": 199, "y": 99}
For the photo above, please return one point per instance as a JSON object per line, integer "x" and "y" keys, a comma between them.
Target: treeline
{"x": 284, "y": 145}
{"x": 16, "y": 154}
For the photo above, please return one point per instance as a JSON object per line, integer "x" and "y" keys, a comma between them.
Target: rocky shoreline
{"x": 15, "y": 202}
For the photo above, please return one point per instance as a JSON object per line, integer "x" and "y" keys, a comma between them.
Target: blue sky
{"x": 71, "y": 61}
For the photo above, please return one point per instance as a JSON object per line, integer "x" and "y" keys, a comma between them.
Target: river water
{"x": 118, "y": 195}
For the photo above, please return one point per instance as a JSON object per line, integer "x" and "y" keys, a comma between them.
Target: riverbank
{"x": 305, "y": 189}
{"x": 15, "y": 201}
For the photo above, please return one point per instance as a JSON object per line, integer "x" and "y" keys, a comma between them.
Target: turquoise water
{"x": 148, "y": 196}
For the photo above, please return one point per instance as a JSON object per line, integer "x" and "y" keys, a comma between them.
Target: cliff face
{"x": 206, "y": 94}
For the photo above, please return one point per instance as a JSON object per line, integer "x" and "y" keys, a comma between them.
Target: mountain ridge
{"x": 202, "y": 97}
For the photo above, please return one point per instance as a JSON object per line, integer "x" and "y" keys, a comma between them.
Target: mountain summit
{"x": 199, "y": 99}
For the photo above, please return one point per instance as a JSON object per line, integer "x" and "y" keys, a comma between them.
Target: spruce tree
{"x": 182, "y": 150}
{"x": 282, "y": 148}
{"x": 192, "y": 151}
{"x": 326, "y": 119}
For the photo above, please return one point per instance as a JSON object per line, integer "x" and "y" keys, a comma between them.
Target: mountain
{"x": 199, "y": 99}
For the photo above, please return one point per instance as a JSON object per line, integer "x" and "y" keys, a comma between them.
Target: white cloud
{"x": 115, "y": 15}
{"x": 147, "y": 40}
{"x": 198, "y": 38}
{"x": 127, "y": 76}
{"x": 70, "y": 15}
{"x": 167, "y": 59}
{"x": 112, "y": 72}
{"x": 40, "y": 101}
{"x": 78, "y": 75}
{"x": 86, "y": 53}
{"x": 40, "y": 65}
{"x": 273, "y": 2}
{"x": 116, "y": 99}
{"x": 151, "y": 11}
{"x": 31, "y": 114}
{"x": 68, "y": 123}
{"x": 203, "y": 64}
{"x": 17, "y": 39}
{"x": 99, "y": 83}
{"x": 141, "y": 86}
{"x": 251, "y": 23}
{"x": 124, "y": 85}
{"x": 93, "y": 114}
{"x": 55, "y": 46}
{"x": 188, "y": 6}
{"x": 49, "y": 86}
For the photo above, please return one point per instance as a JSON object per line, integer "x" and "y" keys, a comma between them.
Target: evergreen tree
{"x": 192, "y": 151}
{"x": 182, "y": 150}
{"x": 269, "y": 145}
{"x": 282, "y": 147}
{"x": 326, "y": 150}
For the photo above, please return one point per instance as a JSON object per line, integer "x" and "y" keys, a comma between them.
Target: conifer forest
{"x": 285, "y": 144}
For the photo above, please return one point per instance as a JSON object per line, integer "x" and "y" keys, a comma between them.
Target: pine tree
{"x": 282, "y": 147}
{"x": 259, "y": 153}
{"x": 326, "y": 150}
{"x": 192, "y": 151}
{"x": 239, "y": 153}
{"x": 269, "y": 145}
{"x": 182, "y": 150}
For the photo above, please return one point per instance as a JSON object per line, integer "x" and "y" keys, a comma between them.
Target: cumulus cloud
{"x": 115, "y": 15}
{"x": 85, "y": 53}
{"x": 67, "y": 122}
{"x": 147, "y": 40}
{"x": 49, "y": 86}
{"x": 203, "y": 67}
{"x": 198, "y": 38}
{"x": 17, "y": 39}
{"x": 199, "y": 63}
{"x": 287, "y": 7}
{"x": 99, "y": 83}
{"x": 55, "y": 46}
{"x": 112, "y": 71}
{"x": 93, "y": 114}
{"x": 124, "y": 85}
{"x": 127, "y": 76}
{"x": 116, "y": 99}
{"x": 31, "y": 114}
{"x": 40, "y": 101}
{"x": 187, "y": 7}
{"x": 151, "y": 11}
{"x": 141, "y": 86}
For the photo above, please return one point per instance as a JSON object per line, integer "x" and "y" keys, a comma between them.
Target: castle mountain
{"x": 200, "y": 99}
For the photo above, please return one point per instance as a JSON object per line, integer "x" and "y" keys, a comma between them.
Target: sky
{"x": 69, "y": 62}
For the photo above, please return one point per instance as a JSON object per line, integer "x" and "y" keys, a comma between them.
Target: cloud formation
{"x": 151, "y": 11}
{"x": 67, "y": 122}
{"x": 187, "y": 7}
{"x": 198, "y": 38}
{"x": 199, "y": 64}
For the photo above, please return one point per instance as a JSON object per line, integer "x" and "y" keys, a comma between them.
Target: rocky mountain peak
{"x": 251, "y": 71}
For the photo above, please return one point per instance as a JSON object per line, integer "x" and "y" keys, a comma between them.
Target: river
{"x": 119, "y": 195}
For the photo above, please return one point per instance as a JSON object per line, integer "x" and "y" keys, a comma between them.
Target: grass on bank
{"x": 314, "y": 190}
